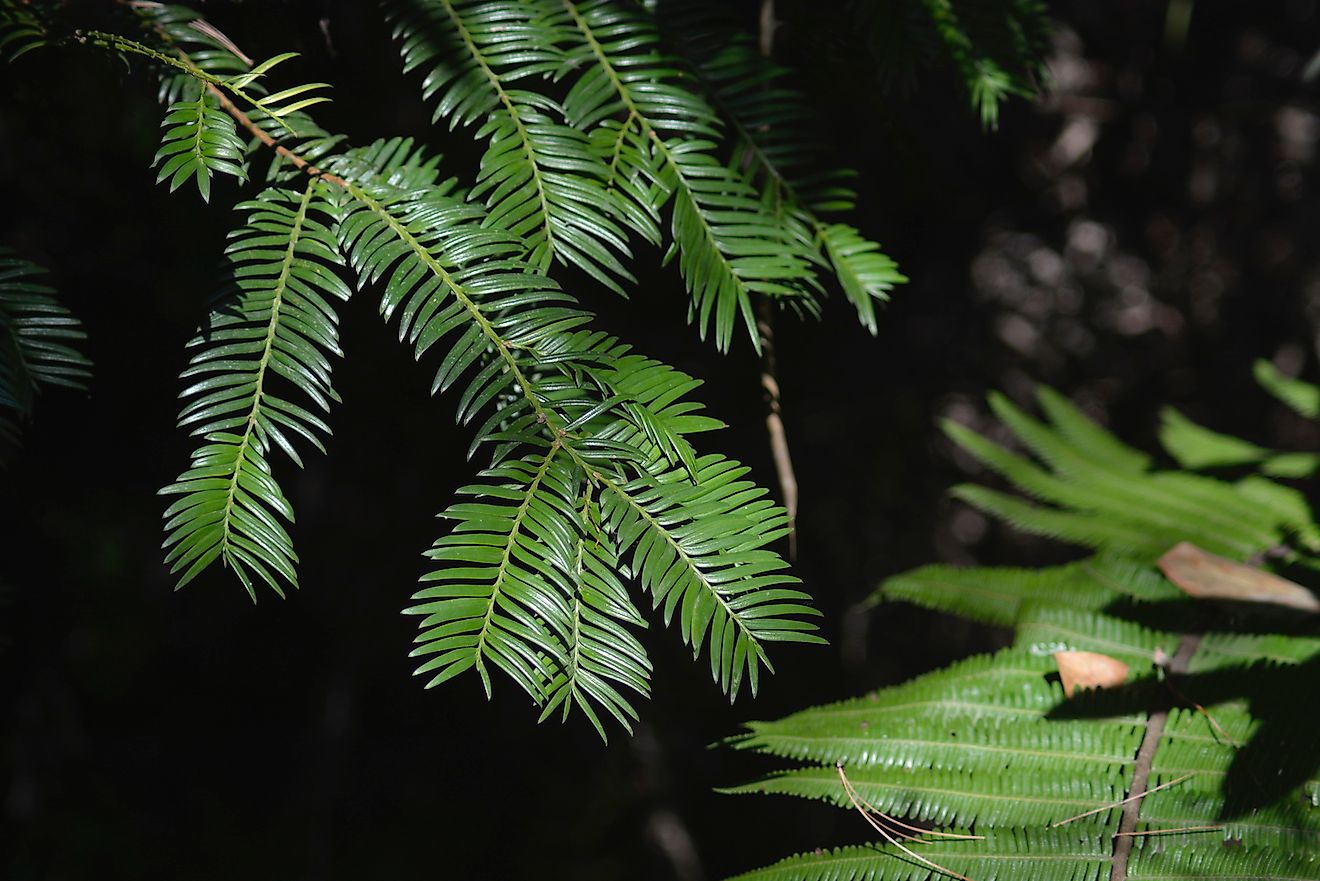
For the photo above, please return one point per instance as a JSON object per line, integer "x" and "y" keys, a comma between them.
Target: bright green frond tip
{"x": 200, "y": 140}
{"x": 259, "y": 379}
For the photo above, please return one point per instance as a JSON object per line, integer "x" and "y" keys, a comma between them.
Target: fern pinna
{"x": 1200, "y": 764}
{"x": 594, "y": 132}
{"x": 37, "y": 344}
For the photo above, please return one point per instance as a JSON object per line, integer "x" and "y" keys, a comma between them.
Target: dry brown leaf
{"x": 1089, "y": 670}
{"x": 1205, "y": 576}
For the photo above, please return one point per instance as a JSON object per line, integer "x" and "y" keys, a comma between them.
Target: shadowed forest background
{"x": 1135, "y": 238}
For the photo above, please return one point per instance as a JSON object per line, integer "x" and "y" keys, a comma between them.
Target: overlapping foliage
{"x": 601, "y": 132}
{"x": 991, "y": 747}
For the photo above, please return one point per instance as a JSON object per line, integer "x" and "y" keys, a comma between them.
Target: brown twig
{"x": 774, "y": 418}
{"x": 1123, "y": 839}
{"x": 206, "y": 28}
{"x": 266, "y": 138}
{"x": 774, "y": 422}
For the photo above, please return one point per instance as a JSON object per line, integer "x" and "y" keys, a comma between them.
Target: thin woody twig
{"x": 774, "y": 423}
{"x": 266, "y": 138}
{"x": 774, "y": 419}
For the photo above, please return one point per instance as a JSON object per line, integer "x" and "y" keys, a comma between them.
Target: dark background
{"x": 1136, "y": 238}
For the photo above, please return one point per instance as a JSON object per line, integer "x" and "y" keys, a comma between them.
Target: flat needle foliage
{"x": 603, "y": 123}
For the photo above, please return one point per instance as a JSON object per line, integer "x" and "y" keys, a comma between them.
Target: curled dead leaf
{"x": 1089, "y": 670}
{"x": 1206, "y": 576}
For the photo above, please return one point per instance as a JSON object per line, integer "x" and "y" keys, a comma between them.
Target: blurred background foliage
{"x": 1136, "y": 238}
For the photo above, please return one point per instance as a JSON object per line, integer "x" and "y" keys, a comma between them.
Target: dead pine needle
{"x": 894, "y": 821}
{"x": 1171, "y": 831}
{"x": 1215, "y": 724}
{"x": 1119, "y": 804}
{"x": 889, "y": 837}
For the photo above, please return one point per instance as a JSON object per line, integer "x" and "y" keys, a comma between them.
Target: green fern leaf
{"x": 865, "y": 273}
{"x": 199, "y": 141}
{"x": 569, "y": 409}
{"x": 1099, "y": 501}
{"x": 698, "y": 550}
{"x": 37, "y": 334}
{"x": 1196, "y": 447}
{"x": 1204, "y": 747}
{"x": 20, "y": 30}
{"x": 1012, "y": 855}
{"x": 539, "y": 178}
{"x": 997, "y": 595}
{"x": 1302, "y": 397}
{"x": 729, "y": 244}
{"x": 775, "y": 146}
{"x": 601, "y": 653}
{"x": 500, "y": 598}
{"x": 275, "y": 330}
{"x": 988, "y": 83}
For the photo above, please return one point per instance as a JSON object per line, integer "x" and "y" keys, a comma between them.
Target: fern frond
{"x": 199, "y": 141}
{"x": 608, "y": 432}
{"x": 1202, "y": 747}
{"x": 1010, "y": 854}
{"x": 20, "y": 30}
{"x": 277, "y": 328}
{"x": 975, "y": 745}
{"x": 865, "y": 273}
{"x": 173, "y": 28}
{"x": 997, "y": 595}
{"x": 576, "y": 402}
{"x": 37, "y": 337}
{"x": 775, "y": 146}
{"x": 246, "y": 85}
{"x": 601, "y": 653}
{"x": 1053, "y": 627}
{"x": 1159, "y": 859}
{"x": 954, "y": 799}
{"x": 504, "y": 596}
{"x": 659, "y": 138}
{"x": 1228, "y": 649}
{"x": 1098, "y": 501}
{"x": 699, "y": 550}
{"x": 1196, "y": 447}
{"x": 539, "y": 178}
{"x": 1302, "y": 397}
{"x": 988, "y": 83}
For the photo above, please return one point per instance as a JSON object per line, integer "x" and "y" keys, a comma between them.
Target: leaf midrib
{"x": 524, "y": 136}
{"x": 259, "y": 391}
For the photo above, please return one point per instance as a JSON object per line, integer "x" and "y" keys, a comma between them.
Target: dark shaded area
{"x": 1281, "y": 755}
{"x": 1137, "y": 239}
